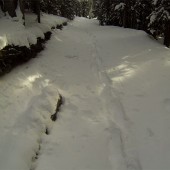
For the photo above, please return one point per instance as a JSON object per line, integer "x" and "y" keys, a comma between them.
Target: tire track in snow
{"x": 118, "y": 121}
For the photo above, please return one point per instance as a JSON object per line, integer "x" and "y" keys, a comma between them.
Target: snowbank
{"x": 19, "y": 43}
{"x": 28, "y": 102}
{"x": 25, "y": 117}
{"x": 13, "y": 32}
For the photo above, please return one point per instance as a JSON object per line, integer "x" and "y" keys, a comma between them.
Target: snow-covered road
{"x": 116, "y": 112}
{"x": 86, "y": 136}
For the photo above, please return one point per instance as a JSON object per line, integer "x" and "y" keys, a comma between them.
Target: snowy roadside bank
{"x": 29, "y": 103}
{"x": 19, "y": 43}
{"x": 29, "y": 106}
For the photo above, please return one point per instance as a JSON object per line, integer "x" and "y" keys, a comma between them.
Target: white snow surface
{"x": 13, "y": 32}
{"x": 116, "y": 113}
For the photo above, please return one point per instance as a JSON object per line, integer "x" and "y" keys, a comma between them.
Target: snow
{"x": 152, "y": 18}
{"x": 116, "y": 113}
{"x": 26, "y": 105}
{"x": 13, "y": 32}
{"x": 155, "y": 2}
{"x": 119, "y": 6}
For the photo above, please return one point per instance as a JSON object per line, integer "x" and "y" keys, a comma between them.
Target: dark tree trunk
{"x": 22, "y": 7}
{"x": 2, "y": 5}
{"x": 36, "y": 8}
{"x": 125, "y": 15}
{"x": 38, "y": 11}
{"x": 167, "y": 34}
{"x": 10, "y": 6}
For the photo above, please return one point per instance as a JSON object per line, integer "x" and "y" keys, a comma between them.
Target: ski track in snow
{"x": 116, "y": 113}
{"x": 114, "y": 134}
{"x": 105, "y": 76}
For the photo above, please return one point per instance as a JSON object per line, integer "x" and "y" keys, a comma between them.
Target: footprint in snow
{"x": 71, "y": 56}
{"x": 167, "y": 104}
{"x": 150, "y": 132}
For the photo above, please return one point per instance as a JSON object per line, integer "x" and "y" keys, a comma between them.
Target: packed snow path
{"x": 87, "y": 135}
{"x": 116, "y": 110}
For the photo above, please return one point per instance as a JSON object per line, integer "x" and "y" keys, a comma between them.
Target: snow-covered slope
{"x": 13, "y": 32}
{"x": 117, "y": 102}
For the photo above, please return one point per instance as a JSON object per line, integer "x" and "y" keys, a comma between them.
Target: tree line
{"x": 152, "y": 16}
{"x": 64, "y": 8}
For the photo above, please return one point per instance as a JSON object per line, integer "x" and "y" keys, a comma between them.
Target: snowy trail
{"x": 117, "y": 117}
{"x": 116, "y": 110}
{"x": 86, "y": 136}
{"x": 82, "y": 133}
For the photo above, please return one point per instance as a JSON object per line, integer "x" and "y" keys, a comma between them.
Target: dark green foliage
{"x": 67, "y": 9}
{"x": 1, "y": 5}
{"x": 159, "y": 17}
{"x": 96, "y": 8}
{"x": 51, "y": 6}
{"x": 160, "y": 20}
{"x": 77, "y": 8}
{"x": 117, "y": 17}
{"x": 104, "y": 12}
{"x": 64, "y": 8}
{"x": 85, "y": 8}
{"x": 143, "y": 9}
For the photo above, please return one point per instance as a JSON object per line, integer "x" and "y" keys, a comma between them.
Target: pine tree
{"x": 160, "y": 20}
{"x": 104, "y": 12}
{"x": 77, "y": 8}
{"x": 143, "y": 9}
{"x": 129, "y": 14}
{"x": 67, "y": 9}
{"x": 51, "y": 6}
{"x": 64, "y": 8}
{"x": 117, "y": 12}
{"x": 96, "y": 8}
{"x": 85, "y": 8}
{"x": 1, "y": 5}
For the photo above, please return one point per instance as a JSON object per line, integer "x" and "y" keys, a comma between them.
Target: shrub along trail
{"x": 116, "y": 109}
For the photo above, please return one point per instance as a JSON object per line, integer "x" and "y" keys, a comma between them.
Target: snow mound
{"x": 25, "y": 119}
{"x": 13, "y": 32}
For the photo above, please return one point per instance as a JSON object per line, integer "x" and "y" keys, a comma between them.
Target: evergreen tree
{"x": 67, "y": 9}
{"x": 104, "y": 12}
{"x": 117, "y": 12}
{"x": 160, "y": 20}
{"x": 1, "y": 6}
{"x": 51, "y": 6}
{"x": 96, "y": 8}
{"x": 143, "y": 9}
{"x": 77, "y": 8}
{"x": 85, "y": 8}
{"x": 129, "y": 19}
{"x": 64, "y": 8}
